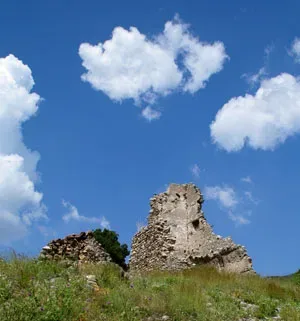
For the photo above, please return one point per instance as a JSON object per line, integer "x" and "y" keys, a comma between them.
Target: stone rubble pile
{"x": 82, "y": 248}
{"x": 178, "y": 236}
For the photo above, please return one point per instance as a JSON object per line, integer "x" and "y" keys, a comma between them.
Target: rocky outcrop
{"x": 178, "y": 236}
{"x": 81, "y": 248}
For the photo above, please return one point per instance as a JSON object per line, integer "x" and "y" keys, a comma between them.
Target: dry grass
{"x": 34, "y": 290}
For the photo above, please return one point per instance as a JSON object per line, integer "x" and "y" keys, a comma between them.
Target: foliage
{"x": 110, "y": 242}
{"x": 32, "y": 290}
{"x": 296, "y": 277}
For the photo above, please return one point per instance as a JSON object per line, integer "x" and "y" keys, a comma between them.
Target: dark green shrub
{"x": 110, "y": 242}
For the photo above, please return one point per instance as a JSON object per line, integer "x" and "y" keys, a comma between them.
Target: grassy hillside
{"x": 294, "y": 278}
{"x": 34, "y": 291}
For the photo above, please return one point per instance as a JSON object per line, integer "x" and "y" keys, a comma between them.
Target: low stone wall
{"x": 76, "y": 247}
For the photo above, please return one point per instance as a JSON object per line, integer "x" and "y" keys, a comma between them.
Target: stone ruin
{"x": 82, "y": 248}
{"x": 178, "y": 236}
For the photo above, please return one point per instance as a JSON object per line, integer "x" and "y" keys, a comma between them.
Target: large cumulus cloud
{"x": 20, "y": 203}
{"x": 131, "y": 65}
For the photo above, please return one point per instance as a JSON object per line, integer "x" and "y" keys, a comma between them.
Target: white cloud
{"x": 195, "y": 169}
{"x": 295, "y": 50}
{"x": 261, "y": 121}
{"x": 11, "y": 227}
{"x": 225, "y": 195}
{"x": 250, "y": 197}
{"x": 238, "y": 219}
{"x": 246, "y": 179}
{"x": 140, "y": 226}
{"x": 268, "y": 50}
{"x": 229, "y": 202}
{"x": 20, "y": 203}
{"x": 47, "y": 231}
{"x": 150, "y": 114}
{"x": 253, "y": 79}
{"x": 131, "y": 65}
{"x": 73, "y": 215}
{"x": 104, "y": 223}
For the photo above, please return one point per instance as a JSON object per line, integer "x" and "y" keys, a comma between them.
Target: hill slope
{"x": 46, "y": 291}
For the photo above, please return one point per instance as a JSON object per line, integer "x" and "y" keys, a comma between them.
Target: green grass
{"x": 37, "y": 290}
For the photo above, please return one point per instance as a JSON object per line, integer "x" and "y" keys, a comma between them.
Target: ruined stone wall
{"x": 81, "y": 248}
{"x": 178, "y": 236}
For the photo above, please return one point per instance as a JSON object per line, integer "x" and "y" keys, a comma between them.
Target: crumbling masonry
{"x": 81, "y": 248}
{"x": 178, "y": 236}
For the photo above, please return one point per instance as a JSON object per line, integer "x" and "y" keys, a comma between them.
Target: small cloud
{"x": 150, "y": 114}
{"x": 73, "y": 215}
{"x": 253, "y": 79}
{"x": 230, "y": 203}
{"x": 268, "y": 50}
{"x": 246, "y": 179}
{"x": 250, "y": 197}
{"x": 295, "y": 50}
{"x": 162, "y": 189}
{"x": 225, "y": 195}
{"x": 238, "y": 219}
{"x": 195, "y": 169}
{"x": 46, "y": 231}
{"x": 140, "y": 226}
{"x": 104, "y": 223}
{"x": 256, "y": 78}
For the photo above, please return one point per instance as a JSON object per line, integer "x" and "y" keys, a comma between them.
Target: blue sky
{"x": 156, "y": 105}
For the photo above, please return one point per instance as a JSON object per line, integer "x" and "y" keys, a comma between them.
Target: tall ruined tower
{"x": 178, "y": 236}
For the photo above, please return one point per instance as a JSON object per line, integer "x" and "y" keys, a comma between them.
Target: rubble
{"x": 82, "y": 248}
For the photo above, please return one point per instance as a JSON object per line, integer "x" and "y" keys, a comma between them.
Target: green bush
{"x": 110, "y": 242}
{"x": 296, "y": 277}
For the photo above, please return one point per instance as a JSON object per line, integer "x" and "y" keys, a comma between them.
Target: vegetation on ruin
{"x": 110, "y": 242}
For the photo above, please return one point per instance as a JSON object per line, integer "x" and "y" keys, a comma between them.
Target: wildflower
{"x": 42, "y": 308}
